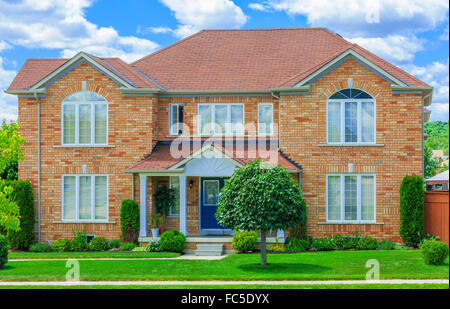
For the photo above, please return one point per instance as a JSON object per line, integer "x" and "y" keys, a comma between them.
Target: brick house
{"x": 345, "y": 123}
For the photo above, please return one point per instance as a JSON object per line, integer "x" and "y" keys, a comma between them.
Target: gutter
{"x": 38, "y": 102}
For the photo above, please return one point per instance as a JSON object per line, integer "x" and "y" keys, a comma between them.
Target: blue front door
{"x": 208, "y": 202}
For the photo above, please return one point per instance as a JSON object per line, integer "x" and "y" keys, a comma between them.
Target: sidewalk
{"x": 165, "y": 283}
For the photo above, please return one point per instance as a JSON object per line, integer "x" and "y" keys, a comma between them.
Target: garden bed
{"x": 90, "y": 254}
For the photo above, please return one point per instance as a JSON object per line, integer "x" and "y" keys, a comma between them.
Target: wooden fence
{"x": 436, "y": 214}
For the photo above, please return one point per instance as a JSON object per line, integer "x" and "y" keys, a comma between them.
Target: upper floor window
{"x": 221, "y": 119}
{"x": 265, "y": 119}
{"x": 176, "y": 119}
{"x": 84, "y": 119}
{"x": 351, "y": 117}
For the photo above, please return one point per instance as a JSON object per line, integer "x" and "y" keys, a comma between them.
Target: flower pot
{"x": 155, "y": 232}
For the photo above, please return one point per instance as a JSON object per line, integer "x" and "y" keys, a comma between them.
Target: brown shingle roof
{"x": 244, "y": 59}
{"x": 161, "y": 158}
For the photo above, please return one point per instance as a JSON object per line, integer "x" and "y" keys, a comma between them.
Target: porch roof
{"x": 161, "y": 157}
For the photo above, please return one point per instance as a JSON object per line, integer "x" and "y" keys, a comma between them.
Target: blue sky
{"x": 412, "y": 34}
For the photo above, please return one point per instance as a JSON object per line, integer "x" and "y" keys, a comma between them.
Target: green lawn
{"x": 338, "y": 265}
{"x": 87, "y": 255}
{"x": 243, "y": 286}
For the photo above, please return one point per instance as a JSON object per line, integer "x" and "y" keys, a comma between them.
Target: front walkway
{"x": 221, "y": 283}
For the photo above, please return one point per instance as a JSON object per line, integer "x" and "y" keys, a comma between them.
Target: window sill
{"x": 84, "y": 146}
{"x": 351, "y": 223}
{"x": 351, "y": 145}
{"x": 84, "y": 222}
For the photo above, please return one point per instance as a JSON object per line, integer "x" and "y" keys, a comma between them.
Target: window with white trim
{"x": 84, "y": 197}
{"x": 84, "y": 119}
{"x": 351, "y": 117}
{"x": 265, "y": 119}
{"x": 220, "y": 119}
{"x": 175, "y": 185}
{"x": 176, "y": 119}
{"x": 351, "y": 197}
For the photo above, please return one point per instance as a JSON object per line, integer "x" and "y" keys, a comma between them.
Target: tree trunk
{"x": 263, "y": 248}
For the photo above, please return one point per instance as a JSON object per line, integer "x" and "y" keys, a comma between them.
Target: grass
{"x": 333, "y": 265}
{"x": 87, "y": 255}
{"x": 322, "y": 286}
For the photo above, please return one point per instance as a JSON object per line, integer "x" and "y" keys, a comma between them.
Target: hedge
{"x": 411, "y": 210}
{"x": 23, "y": 195}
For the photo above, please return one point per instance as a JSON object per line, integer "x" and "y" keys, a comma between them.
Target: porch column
{"x": 183, "y": 227}
{"x": 143, "y": 206}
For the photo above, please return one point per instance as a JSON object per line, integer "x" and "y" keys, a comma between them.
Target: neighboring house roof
{"x": 439, "y": 178}
{"x": 161, "y": 158}
{"x": 245, "y": 59}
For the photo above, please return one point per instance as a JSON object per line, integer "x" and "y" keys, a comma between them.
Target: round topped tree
{"x": 263, "y": 197}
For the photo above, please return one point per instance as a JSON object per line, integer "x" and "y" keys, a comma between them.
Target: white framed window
{"x": 176, "y": 119}
{"x": 84, "y": 197}
{"x": 351, "y": 118}
{"x": 220, "y": 119}
{"x": 84, "y": 119}
{"x": 210, "y": 192}
{"x": 174, "y": 183}
{"x": 351, "y": 197}
{"x": 265, "y": 119}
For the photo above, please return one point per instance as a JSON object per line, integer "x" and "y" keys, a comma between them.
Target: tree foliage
{"x": 9, "y": 211}
{"x": 10, "y": 146}
{"x": 437, "y": 132}
{"x": 129, "y": 221}
{"x": 259, "y": 198}
{"x": 411, "y": 210}
{"x": 430, "y": 164}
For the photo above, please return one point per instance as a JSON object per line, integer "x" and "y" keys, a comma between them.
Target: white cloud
{"x": 444, "y": 36}
{"x": 436, "y": 75}
{"x": 8, "y": 103}
{"x": 373, "y": 18}
{"x": 259, "y": 7}
{"x": 61, "y": 24}
{"x": 194, "y": 15}
{"x": 4, "y": 45}
{"x": 394, "y": 48}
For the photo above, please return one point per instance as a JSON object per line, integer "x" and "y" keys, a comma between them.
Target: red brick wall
{"x": 135, "y": 123}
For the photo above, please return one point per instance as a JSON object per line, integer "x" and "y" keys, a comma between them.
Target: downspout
{"x": 38, "y": 102}
{"x": 423, "y": 135}
{"x": 279, "y": 117}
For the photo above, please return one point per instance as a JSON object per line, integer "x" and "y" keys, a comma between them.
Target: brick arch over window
{"x": 361, "y": 85}
{"x": 84, "y": 119}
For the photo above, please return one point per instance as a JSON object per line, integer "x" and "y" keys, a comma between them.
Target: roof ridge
{"x": 165, "y": 48}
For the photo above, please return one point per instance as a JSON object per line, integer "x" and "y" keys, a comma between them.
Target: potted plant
{"x": 156, "y": 224}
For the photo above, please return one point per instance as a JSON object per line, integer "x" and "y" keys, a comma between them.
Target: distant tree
{"x": 10, "y": 150}
{"x": 430, "y": 164}
{"x": 261, "y": 198}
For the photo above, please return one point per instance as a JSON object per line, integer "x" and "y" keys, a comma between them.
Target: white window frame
{"x": 177, "y": 124}
{"x": 77, "y": 197}
{"x": 271, "y": 125}
{"x": 358, "y": 196}
{"x": 359, "y": 120}
{"x": 179, "y": 188}
{"x": 77, "y": 121}
{"x": 213, "y": 119}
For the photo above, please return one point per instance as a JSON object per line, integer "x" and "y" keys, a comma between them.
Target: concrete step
{"x": 209, "y": 249}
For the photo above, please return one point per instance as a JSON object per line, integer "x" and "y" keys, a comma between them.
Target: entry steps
{"x": 209, "y": 249}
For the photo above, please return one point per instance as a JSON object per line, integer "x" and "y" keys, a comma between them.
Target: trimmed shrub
{"x": 367, "y": 243}
{"x": 79, "y": 242}
{"x": 127, "y": 246}
{"x": 339, "y": 242}
{"x": 173, "y": 241}
{"x": 323, "y": 244}
{"x": 434, "y": 252}
{"x": 153, "y": 247}
{"x": 297, "y": 245}
{"x": 40, "y": 247}
{"x": 244, "y": 241}
{"x": 61, "y": 244}
{"x": 411, "y": 210}
{"x": 3, "y": 251}
{"x": 139, "y": 249}
{"x": 129, "y": 221}
{"x": 23, "y": 196}
{"x": 113, "y": 244}
{"x": 386, "y": 245}
{"x": 99, "y": 244}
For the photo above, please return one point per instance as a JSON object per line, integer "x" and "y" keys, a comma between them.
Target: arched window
{"x": 84, "y": 119}
{"x": 351, "y": 117}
